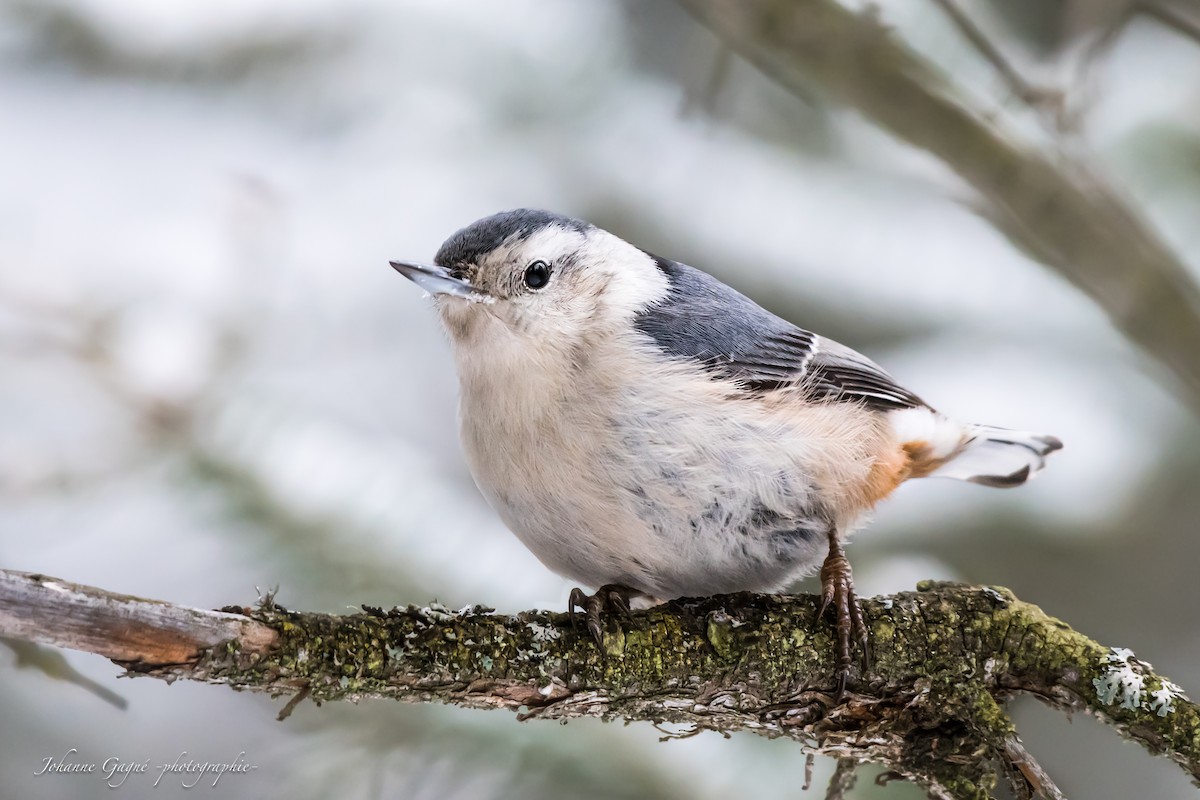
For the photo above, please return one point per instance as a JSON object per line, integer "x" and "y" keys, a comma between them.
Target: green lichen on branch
{"x": 928, "y": 707}
{"x": 943, "y": 661}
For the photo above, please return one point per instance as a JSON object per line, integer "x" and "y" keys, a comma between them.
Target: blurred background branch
{"x": 1050, "y": 202}
{"x": 1021, "y": 88}
{"x": 1173, "y": 15}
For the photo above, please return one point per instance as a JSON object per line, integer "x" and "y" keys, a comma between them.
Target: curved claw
{"x": 610, "y": 597}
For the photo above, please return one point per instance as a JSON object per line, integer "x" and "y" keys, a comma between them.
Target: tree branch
{"x": 1035, "y": 96}
{"x": 37, "y": 608}
{"x": 928, "y": 708}
{"x": 1170, "y": 17}
{"x": 1051, "y": 205}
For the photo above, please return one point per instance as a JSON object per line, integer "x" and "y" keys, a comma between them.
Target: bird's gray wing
{"x": 703, "y": 320}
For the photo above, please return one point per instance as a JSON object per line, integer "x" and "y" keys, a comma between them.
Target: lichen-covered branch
{"x": 929, "y": 707}
{"x": 1048, "y": 201}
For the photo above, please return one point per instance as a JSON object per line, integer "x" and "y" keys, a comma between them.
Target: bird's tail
{"x": 998, "y": 457}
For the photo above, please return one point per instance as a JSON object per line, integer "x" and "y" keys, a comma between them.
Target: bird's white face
{"x": 553, "y": 288}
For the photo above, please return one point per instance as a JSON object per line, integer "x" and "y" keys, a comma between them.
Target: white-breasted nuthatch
{"x": 646, "y": 429}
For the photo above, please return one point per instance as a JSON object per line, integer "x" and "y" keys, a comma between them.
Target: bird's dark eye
{"x": 537, "y": 274}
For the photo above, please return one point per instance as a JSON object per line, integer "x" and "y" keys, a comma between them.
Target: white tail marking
{"x": 998, "y": 457}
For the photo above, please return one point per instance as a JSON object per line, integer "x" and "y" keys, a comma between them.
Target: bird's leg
{"x": 610, "y": 597}
{"x": 837, "y": 589}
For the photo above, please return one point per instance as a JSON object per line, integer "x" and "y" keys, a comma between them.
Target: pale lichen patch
{"x": 1123, "y": 680}
{"x": 1165, "y": 697}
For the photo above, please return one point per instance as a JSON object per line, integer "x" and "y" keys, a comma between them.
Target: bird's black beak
{"x": 438, "y": 280}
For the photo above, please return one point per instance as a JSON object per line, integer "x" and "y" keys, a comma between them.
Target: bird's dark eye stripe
{"x": 537, "y": 274}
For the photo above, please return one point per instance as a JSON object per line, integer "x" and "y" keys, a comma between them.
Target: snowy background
{"x": 211, "y": 380}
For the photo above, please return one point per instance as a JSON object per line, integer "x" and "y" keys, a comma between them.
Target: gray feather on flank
{"x": 703, "y": 320}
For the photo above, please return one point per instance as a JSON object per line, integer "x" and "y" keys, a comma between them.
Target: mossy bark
{"x": 929, "y": 706}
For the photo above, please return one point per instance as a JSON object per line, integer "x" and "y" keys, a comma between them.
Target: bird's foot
{"x": 837, "y": 589}
{"x": 611, "y": 597}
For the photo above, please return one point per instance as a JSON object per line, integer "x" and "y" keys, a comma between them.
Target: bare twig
{"x": 845, "y": 775}
{"x": 298, "y": 698}
{"x": 1171, "y": 18}
{"x": 927, "y": 709}
{"x": 51, "y": 663}
{"x": 705, "y": 97}
{"x": 1099, "y": 46}
{"x": 1034, "y": 782}
{"x": 38, "y": 608}
{"x": 1037, "y": 97}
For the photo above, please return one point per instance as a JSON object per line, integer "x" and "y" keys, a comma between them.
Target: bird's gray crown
{"x": 483, "y": 236}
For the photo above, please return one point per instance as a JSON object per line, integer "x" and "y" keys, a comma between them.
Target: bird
{"x": 646, "y": 429}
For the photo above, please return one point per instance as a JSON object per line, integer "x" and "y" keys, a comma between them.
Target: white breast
{"x": 649, "y": 475}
